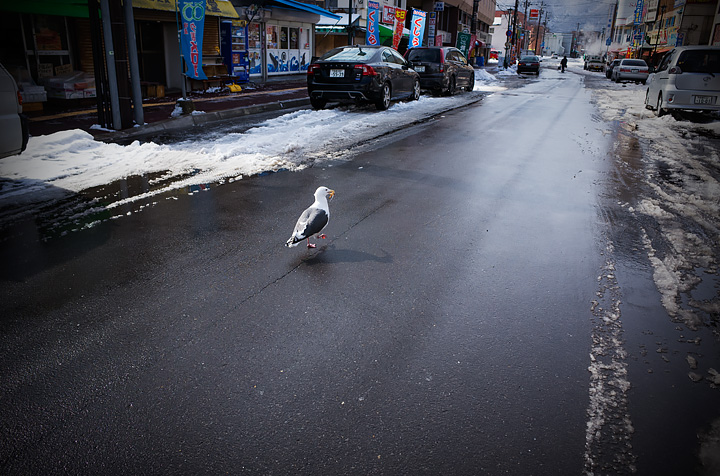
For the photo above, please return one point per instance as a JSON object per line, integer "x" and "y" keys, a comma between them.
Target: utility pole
{"x": 514, "y": 29}
{"x": 508, "y": 41}
{"x": 657, "y": 40}
{"x": 526, "y": 38}
{"x": 537, "y": 36}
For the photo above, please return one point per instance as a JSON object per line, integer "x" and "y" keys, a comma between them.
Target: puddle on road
{"x": 94, "y": 205}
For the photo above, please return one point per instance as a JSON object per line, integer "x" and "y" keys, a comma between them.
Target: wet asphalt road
{"x": 443, "y": 327}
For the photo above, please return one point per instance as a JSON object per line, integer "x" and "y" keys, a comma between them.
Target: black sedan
{"x": 529, "y": 64}
{"x": 359, "y": 74}
{"x": 442, "y": 69}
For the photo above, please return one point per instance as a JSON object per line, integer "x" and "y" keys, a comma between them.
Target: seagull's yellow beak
{"x": 331, "y": 193}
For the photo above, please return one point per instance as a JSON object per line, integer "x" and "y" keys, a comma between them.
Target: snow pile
{"x": 482, "y": 75}
{"x": 682, "y": 200}
{"x": 72, "y": 161}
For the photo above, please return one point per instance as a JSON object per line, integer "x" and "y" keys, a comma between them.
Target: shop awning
{"x": 339, "y": 20}
{"x": 387, "y": 31}
{"x": 306, "y": 7}
{"x": 218, "y": 8}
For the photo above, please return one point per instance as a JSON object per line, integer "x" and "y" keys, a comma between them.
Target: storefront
{"x": 281, "y": 36}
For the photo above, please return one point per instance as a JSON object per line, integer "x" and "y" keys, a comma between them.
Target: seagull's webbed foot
{"x": 322, "y": 236}
{"x": 310, "y": 245}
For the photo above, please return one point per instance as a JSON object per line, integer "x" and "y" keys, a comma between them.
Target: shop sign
{"x": 463, "y": 43}
{"x": 192, "y": 13}
{"x": 432, "y": 21}
{"x": 388, "y": 16}
{"x": 372, "y": 36}
{"x": 439, "y": 6}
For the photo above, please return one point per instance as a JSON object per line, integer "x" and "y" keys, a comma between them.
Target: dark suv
{"x": 441, "y": 69}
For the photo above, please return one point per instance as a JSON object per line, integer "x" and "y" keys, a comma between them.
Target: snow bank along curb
{"x": 191, "y": 120}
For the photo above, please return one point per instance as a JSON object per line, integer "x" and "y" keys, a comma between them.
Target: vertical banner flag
{"x": 463, "y": 43}
{"x": 372, "y": 36}
{"x": 417, "y": 28}
{"x": 399, "y": 27}
{"x": 192, "y": 13}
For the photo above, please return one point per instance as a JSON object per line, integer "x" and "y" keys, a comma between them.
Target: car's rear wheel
{"x": 659, "y": 111}
{"x": 317, "y": 103}
{"x": 384, "y": 102}
{"x": 451, "y": 86}
{"x": 471, "y": 84}
{"x": 416, "y": 91}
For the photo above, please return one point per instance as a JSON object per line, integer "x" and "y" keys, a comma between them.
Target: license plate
{"x": 704, "y": 99}
{"x": 633, "y": 70}
{"x": 337, "y": 73}
{"x": 420, "y": 69}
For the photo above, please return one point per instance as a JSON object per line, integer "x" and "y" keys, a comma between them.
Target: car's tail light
{"x": 441, "y": 69}
{"x": 313, "y": 69}
{"x": 675, "y": 70}
{"x": 19, "y": 98}
{"x": 365, "y": 70}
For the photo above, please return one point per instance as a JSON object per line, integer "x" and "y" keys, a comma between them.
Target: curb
{"x": 193, "y": 120}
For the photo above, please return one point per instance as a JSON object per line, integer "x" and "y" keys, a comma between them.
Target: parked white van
{"x": 688, "y": 77}
{"x": 13, "y": 125}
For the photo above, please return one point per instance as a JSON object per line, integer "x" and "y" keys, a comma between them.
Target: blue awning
{"x": 307, "y": 8}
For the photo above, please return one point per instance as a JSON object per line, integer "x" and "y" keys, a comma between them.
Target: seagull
{"x": 313, "y": 220}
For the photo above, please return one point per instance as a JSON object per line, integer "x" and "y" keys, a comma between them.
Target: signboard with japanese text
{"x": 432, "y": 21}
{"x": 637, "y": 19}
{"x": 388, "y": 16}
{"x": 417, "y": 28}
{"x": 463, "y": 43}
{"x": 192, "y": 15}
{"x": 372, "y": 36}
{"x": 534, "y": 14}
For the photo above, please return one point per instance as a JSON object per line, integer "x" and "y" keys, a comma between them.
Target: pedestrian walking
{"x": 563, "y": 64}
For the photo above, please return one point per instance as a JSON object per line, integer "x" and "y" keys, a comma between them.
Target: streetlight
{"x": 662, "y": 13}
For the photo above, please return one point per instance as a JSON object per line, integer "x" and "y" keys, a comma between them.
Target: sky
{"x": 565, "y": 15}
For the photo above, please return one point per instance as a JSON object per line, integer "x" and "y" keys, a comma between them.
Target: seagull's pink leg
{"x": 310, "y": 245}
{"x": 322, "y": 236}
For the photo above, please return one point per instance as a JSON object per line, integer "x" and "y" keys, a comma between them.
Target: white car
{"x": 687, "y": 78}
{"x": 630, "y": 70}
{"x": 13, "y": 125}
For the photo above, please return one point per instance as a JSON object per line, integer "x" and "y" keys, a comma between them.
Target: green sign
{"x": 463, "y": 43}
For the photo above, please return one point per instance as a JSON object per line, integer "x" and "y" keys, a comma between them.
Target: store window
{"x": 284, "y": 38}
{"x": 294, "y": 39}
{"x": 272, "y": 37}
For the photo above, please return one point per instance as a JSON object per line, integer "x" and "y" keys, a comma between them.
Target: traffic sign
{"x": 608, "y": 41}
{"x": 509, "y": 33}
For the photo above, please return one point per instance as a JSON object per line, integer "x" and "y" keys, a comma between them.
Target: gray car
{"x": 631, "y": 70}
{"x": 13, "y": 125}
{"x": 442, "y": 69}
{"x": 687, "y": 78}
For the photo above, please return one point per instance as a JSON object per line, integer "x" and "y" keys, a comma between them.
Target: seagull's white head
{"x": 324, "y": 192}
